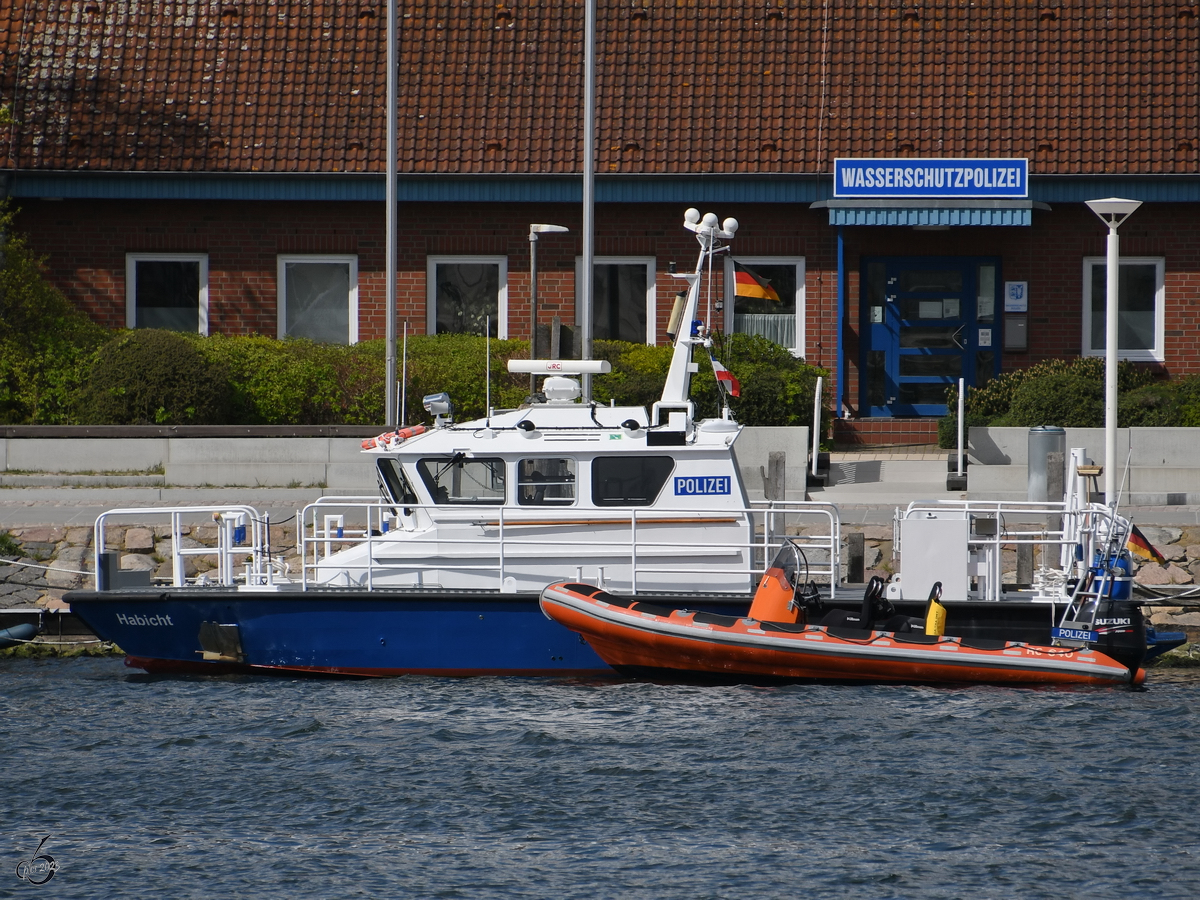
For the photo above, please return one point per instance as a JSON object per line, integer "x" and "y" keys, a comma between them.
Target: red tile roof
{"x": 684, "y": 86}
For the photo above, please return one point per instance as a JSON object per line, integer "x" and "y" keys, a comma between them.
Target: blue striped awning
{"x": 930, "y": 212}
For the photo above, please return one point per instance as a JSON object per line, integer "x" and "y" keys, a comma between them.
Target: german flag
{"x": 752, "y": 286}
{"x": 1139, "y": 545}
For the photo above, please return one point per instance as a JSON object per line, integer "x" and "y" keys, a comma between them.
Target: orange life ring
{"x": 393, "y": 437}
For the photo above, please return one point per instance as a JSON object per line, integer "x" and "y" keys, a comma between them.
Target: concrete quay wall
{"x": 332, "y": 461}
{"x": 1164, "y": 463}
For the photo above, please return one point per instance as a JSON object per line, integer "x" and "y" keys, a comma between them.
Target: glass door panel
{"x": 927, "y": 321}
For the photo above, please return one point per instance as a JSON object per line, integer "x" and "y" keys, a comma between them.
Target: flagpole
{"x": 589, "y": 198}
{"x": 390, "y": 219}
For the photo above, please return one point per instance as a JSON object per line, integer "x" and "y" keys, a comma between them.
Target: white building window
{"x": 623, "y": 298}
{"x": 464, "y": 292}
{"x": 765, "y": 295}
{"x": 1141, "y": 305}
{"x": 167, "y": 290}
{"x": 318, "y": 298}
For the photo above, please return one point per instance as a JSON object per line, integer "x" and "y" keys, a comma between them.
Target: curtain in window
{"x": 467, "y": 294}
{"x": 317, "y": 301}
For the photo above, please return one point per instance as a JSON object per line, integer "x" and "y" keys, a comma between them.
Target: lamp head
{"x": 1113, "y": 210}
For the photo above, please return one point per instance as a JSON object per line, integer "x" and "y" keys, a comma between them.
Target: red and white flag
{"x": 725, "y": 379}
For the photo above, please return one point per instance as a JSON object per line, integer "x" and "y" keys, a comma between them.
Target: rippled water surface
{"x": 422, "y": 787}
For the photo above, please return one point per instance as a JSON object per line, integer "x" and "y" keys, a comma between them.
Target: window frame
{"x": 801, "y": 336}
{"x": 651, "y": 264}
{"x": 489, "y": 461}
{"x": 1158, "y": 352}
{"x": 431, "y": 264}
{"x": 281, "y": 262}
{"x": 131, "y": 261}
{"x": 572, "y": 480}
{"x": 623, "y": 460}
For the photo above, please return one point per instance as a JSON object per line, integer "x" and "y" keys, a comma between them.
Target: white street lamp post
{"x": 389, "y": 315}
{"x": 1113, "y": 212}
{"x": 534, "y": 231}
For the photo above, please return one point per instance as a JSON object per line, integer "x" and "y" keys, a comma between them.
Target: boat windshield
{"x": 393, "y": 484}
{"x": 458, "y": 479}
{"x": 793, "y": 563}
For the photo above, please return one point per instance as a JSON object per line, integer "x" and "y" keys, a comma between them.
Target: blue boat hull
{"x": 355, "y": 633}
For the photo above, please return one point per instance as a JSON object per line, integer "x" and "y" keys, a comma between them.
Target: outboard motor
{"x": 1121, "y": 628}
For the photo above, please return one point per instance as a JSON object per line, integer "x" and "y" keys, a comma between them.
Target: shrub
{"x": 274, "y": 382}
{"x": 776, "y": 387}
{"x": 154, "y": 377}
{"x": 46, "y": 344}
{"x": 9, "y": 545}
{"x": 1155, "y": 405}
{"x": 1062, "y": 398}
{"x": 457, "y": 364}
{"x": 993, "y": 403}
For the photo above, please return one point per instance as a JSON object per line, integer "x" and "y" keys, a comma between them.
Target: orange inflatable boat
{"x": 774, "y": 643}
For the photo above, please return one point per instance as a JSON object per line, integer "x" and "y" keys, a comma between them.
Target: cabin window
{"x": 393, "y": 483}
{"x": 465, "y": 293}
{"x": 459, "y": 479}
{"x": 167, "y": 290}
{"x": 623, "y": 292}
{"x": 546, "y": 482}
{"x": 318, "y": 298}
{"x": 629, "y": 480}
{"x": 765, "y": 296}
{"x": 1140, "y": 307}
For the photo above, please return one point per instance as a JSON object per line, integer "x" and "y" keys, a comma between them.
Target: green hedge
{"x": 1070, "y": 393}
{"x": 149, "y": 376}
{"x": 57, "y": 367}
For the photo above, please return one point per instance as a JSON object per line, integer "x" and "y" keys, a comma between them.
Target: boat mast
{"x": 679, "y": 376}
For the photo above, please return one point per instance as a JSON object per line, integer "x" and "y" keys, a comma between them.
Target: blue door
{"x": 926, "y": 322}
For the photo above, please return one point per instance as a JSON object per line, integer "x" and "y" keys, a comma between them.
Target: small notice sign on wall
{"x": 1016, "y": 296}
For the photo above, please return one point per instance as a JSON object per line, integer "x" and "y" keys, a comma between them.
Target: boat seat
{"x": 899, "y": 624}
{"x": 842, "y": 618}
{"x": 790, "y": 627}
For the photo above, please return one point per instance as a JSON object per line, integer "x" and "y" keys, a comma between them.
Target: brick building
{"x": 219, "y": 167}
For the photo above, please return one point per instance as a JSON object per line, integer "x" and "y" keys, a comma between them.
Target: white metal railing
{"x": 631, "y": 538}
{"x": 1087, "y": 528}
{"x": 242, "y": 551}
